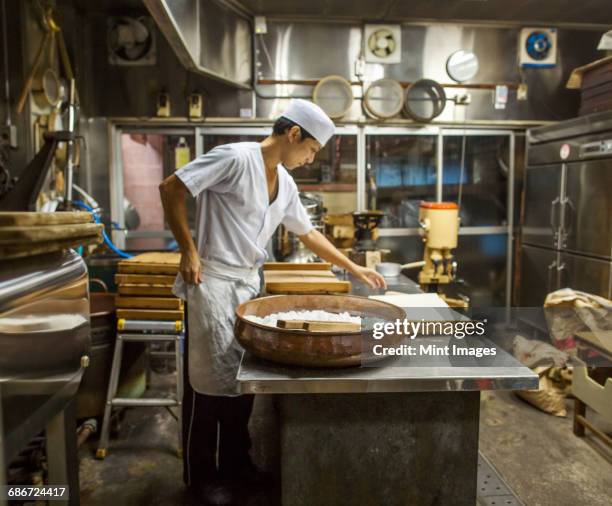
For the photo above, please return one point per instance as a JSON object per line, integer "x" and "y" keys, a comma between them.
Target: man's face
{"x": 299, "y": 152}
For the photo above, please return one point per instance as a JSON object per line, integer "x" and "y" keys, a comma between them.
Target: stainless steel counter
{"x": 401, "y": 374}
{"x": 415, "y": 416}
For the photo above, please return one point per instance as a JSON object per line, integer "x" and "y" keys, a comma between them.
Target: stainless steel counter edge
{"x": 451, "y": 379}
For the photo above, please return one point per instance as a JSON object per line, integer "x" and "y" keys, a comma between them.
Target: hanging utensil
{"x": 384, "y": 98}
{"x": 334, "y": 95}
{"x": 53, "y": 34}
{"x": 424, "y": 100}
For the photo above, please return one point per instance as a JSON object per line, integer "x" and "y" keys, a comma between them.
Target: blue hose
{"x": 107, "y": 240}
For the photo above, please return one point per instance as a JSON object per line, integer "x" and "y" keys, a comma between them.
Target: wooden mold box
{"x": 151, "y": 263}
{"x": 288, "y": 278}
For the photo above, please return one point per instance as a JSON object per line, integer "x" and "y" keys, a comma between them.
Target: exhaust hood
{"x": 208, "y": 38}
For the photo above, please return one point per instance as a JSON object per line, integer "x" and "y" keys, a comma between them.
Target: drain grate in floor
{"x": 492, "y": 489}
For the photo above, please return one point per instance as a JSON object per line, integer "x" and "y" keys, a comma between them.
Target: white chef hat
{"x": 311, "y": 118}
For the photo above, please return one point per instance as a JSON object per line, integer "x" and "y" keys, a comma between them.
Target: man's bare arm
{"x": 316, "y": 242}
{"x": 173, "y": 193}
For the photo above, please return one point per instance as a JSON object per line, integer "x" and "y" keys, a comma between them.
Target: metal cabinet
{"x": 587, "y": 208}
{"x": 542, "y": 216}
{"x": 545, "y": 270}
{"x": 568, "y": 209}
{"x": 586, "y": 274}
{"x": 539, "y": 274}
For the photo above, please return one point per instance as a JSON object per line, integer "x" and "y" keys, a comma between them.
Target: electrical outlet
{"x": 8, "y": 135}
{"x": 521, "y": 92}
{"x": 163, "y": 105}
{"x": 360, "y": 64}
{"x": 195, "y": 105}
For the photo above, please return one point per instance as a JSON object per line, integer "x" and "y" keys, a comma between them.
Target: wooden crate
{"x": 127, "y": 302}
{"x": 151, "y": 263}
{"x": 144, "y": 279}
{"x": 146, "y": 290}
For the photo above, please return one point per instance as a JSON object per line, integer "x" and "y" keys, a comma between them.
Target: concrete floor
{"x": 540, "y": 458}
{"x": 537, "y": 455}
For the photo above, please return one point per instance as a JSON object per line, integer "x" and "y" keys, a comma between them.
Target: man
{"x": 243, "y": 193}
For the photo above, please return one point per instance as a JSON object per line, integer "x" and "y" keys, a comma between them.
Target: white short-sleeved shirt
{"x": 234, "y": 219}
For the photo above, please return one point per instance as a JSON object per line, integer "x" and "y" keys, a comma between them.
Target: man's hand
{"x": 191, "y": 268}
{"x": 369, "y": 276}
{"x": 316, "y": 242}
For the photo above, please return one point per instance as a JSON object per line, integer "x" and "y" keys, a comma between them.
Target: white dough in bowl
{"x": 315, "y": 315}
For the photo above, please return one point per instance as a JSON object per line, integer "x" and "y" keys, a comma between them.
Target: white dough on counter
{"x": 316, "y": 315}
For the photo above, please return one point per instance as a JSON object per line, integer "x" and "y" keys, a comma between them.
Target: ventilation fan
{"x": 382, "y": 43}
{"x": 131, "y": 41}
{"x": 538, "y": 47}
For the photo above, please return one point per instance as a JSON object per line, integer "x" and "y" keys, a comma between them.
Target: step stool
{"x": 143, "y": 331}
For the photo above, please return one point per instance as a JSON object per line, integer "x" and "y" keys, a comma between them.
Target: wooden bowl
{"x": 314, "y": 349}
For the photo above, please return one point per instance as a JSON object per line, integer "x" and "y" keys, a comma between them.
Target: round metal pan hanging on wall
{"x": 47, "y": 89}
{"x": 334, "y": 95}
{"x": 384, "y": 99}
{"x": 462, "y": 66}
{"x": 424, "y": 100}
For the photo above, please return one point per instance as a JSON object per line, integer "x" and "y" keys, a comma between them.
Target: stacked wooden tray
{"x": 294, "y": 278}
{"x": 144, "y": 288}
{"x": 595, "y": 83}
{"x": 25, "y": 234}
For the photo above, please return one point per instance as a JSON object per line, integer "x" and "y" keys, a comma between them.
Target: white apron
{"x": 214, "y": 353}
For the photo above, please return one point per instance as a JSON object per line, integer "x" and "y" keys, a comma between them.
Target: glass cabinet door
{"x": 332, "y": 175}
{"x": 400, "y": 173}
{"x": 476, "y": 171}
{"x": 147, "y": 158}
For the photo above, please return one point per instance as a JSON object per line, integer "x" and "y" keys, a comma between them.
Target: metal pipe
{"x": 69, "y": 172}
{"x": 510, "y": 218}
{"x": 440, "y": 166}
{"x": 405, "y": 84}
{"x": 7, "y": 90}
{"x": 361, "y": 170}
{"x": 88, "y": 428}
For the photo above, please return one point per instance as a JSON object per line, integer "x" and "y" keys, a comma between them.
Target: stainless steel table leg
{"x": 2, "y": 463}
{"x": 179, "y": 391}
{"x": 62, "y": 458}
{"x": 113, "y": 384}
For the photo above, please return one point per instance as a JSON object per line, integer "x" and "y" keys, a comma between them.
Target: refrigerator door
{"x": 585, "y": 274}
{"x": 587, "y": 208}
{"x": 539, "y": 275}
{"x": 542, "y": 212}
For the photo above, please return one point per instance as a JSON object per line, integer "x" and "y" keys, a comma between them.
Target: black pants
{"x": 208, "y": 419}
